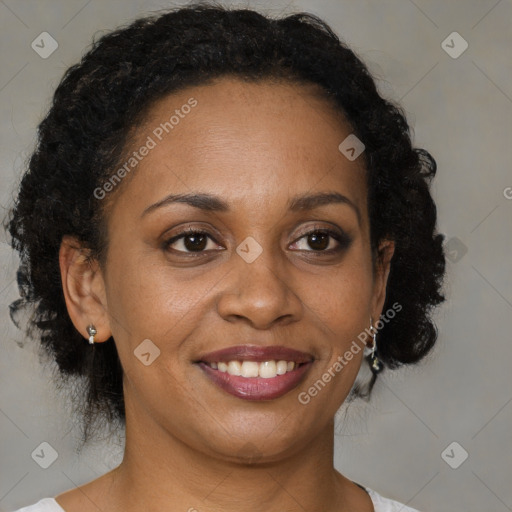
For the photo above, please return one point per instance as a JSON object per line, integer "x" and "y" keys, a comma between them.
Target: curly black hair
{"x": 101, "y": 99}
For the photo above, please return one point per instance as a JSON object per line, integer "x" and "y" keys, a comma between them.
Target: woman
{"x": 222, "y": 221}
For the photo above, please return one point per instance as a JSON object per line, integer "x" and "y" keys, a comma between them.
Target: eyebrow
{"x": 211, "y": 203}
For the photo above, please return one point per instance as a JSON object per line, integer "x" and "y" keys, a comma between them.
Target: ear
{"x": 84, "y": 289}
{"x": 382, "y": 267}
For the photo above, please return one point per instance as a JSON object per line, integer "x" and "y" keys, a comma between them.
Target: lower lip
{"x": 256, "y": 388}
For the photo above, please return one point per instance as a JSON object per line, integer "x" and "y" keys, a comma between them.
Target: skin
{"x": 189, "y": 443}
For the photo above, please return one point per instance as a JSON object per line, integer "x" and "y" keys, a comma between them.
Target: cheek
{"x": 344, "y": 308}
{"x": 148, "y": 300}
{"x": 341, "y": 307}
{"x": 346, "y": 294}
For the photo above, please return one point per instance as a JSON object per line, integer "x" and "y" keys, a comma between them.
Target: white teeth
{"x": 268, "y": 369}
{"x": 281, "y": 367}
{"x": 250, "y": 369}
{"x": 265, "y": 369}
{"x": 234, "y": 368}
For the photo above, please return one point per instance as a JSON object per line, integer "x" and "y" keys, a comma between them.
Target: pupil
{"x": 322, "y": 238}
{"x": 198, "y": 242}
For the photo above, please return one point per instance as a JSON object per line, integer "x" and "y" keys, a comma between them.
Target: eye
{"x": 321, "y": 240}
{"x": 190, "y": 241}
{"x": 325, "y": 241}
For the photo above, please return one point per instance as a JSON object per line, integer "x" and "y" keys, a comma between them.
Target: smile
{"x": 254, "y": 372}
{"x": 252, "y": 369}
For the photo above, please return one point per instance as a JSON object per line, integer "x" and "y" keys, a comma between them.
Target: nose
{"x": 258, "y": 293}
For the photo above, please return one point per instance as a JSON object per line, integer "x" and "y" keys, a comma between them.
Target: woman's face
{"x": 252, "y": 276}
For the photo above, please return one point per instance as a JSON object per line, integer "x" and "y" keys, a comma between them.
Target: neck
{"x": 160, "y": 469}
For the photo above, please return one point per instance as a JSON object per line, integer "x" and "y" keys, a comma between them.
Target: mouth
{"x": 254, "y": 372}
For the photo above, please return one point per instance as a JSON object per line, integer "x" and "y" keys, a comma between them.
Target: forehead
{"x": 245, "y": 141}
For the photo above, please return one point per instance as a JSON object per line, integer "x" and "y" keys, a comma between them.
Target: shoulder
{"x": 382, "y": 504}
{"x": 44, "y": 505}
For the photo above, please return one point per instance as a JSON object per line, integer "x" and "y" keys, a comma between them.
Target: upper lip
{"x": 256, "y": 353}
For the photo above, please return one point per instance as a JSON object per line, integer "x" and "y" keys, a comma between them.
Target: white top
{"x": 380, "y": 504}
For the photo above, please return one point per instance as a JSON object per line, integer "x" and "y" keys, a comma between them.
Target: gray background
{"x": 461, "y": 111}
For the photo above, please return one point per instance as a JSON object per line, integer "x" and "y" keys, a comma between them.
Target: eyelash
{"x": 343, "y": 240}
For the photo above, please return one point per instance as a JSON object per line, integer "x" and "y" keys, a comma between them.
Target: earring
{"x": 376, "y": 365}
{"x": 91, "y": 330}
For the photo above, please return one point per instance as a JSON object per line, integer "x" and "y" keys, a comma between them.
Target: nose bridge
{"x": 264, "y": 275}
{"x": 257, "y": 288}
